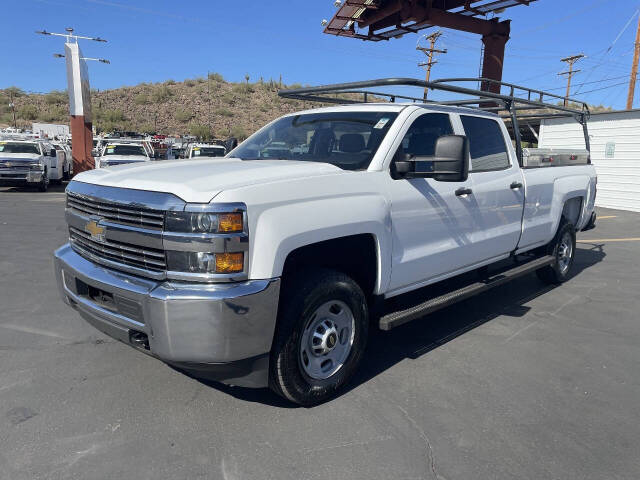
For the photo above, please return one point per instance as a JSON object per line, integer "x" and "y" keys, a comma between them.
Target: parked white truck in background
{"x": 116, "y": 153}
{"x": 258, "y": 271}
{"x": 205, "y": 150}
{"x": 33, "y": 163}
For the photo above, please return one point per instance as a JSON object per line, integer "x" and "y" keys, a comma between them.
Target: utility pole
{"x": 634, "y": 70}
{"x": 570, "y": 73}
{"x": 429, "y": 51}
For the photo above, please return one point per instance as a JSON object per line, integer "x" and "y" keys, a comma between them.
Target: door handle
{"x": 516, "y": 185}
{"x": 463, "y": 191}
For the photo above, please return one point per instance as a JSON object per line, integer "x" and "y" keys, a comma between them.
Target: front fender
{"x": 280, "y": 228}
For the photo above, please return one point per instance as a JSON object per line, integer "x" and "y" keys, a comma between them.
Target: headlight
{"x": 202, "y": 262}
{"x": 36, "y": 166}
{"x": 204, "y": 222}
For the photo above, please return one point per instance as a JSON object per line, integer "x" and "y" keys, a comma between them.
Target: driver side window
{"x": 420, "y": 139}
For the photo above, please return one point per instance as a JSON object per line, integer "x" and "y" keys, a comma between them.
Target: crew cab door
{"x": 497, "y": 186}
{"x": 432, "y": 224}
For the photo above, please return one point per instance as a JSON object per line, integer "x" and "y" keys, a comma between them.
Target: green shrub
{"x": 223, "y": 112}
{"x": 146, "y": 128}
{"x": 55, "y": 97}
{"x": 228, "y": 98}
{"x": 203, "y": 132}
{"x": 170, "y": 82}
{"x": 141, "y": 99}
{"x": 189, "y": 82}
{"x": 27, "y": 112}
{"x": 238, "y": 132}
{"x": 183, "y": 115}
{"x": 161, "y": 94}
{"x": 242, "y": 88}
{"x": 216, "y": 77}
{"x": 113, "y": 115}
{"x": 54, "y": 115}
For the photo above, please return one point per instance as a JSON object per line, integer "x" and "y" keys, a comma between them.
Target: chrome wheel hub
{"x": 565, "y": 252}
{"x": 327, "y": 340}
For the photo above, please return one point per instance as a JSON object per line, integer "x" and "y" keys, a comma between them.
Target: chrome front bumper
{"x": 20, "y": 176}
{"x": 226, "y": 328}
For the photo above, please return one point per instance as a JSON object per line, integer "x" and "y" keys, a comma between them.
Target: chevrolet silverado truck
{"x": 122, "y": 153}
{"x": 32, "y": 163}
{"x": 259, "y": 271}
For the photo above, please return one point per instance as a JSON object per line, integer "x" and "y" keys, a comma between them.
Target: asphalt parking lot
{"x": 527, "y": 382}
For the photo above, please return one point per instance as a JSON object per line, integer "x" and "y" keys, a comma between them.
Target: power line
{"x": 591, "y": 6}
{"x": 612, "y": 44}
{"x": 603, "y": 88}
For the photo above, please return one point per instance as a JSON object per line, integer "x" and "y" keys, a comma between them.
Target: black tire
{"x": 301, "y": 297}
{"x": 65, "y": 175}
{"x": 44, "y": 183}
{"x": 565, "y": 239}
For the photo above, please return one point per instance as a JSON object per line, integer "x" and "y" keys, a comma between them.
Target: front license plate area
{"x": 96, "y": 295}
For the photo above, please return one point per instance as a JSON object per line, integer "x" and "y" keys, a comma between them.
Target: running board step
{"x": 395, "y": 319}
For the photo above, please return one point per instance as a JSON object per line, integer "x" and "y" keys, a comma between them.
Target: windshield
{"x": 9, "y": 147}
{"x": 207, "y": 152}
{"x": 124, "y": 150}
{"x": 348, "y": 140}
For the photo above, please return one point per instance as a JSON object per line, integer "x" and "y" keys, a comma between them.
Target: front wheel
{"x": 563, "y": 248}
{"x": 44, "y": 183}
{"x": 320, "y": 338}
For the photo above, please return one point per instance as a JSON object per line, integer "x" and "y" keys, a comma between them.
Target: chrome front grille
{"x": 115, "y": 212}
{"x": 144, "y": 258}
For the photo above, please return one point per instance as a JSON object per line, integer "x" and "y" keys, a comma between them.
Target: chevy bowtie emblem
{"x": 96, "y": 231}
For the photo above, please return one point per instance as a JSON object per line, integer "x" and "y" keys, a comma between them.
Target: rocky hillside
{"x": 204, "y": 107}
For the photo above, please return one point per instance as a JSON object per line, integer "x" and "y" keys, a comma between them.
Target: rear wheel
{"x": 320, "y": 338}
{"x": 563, "y": 248}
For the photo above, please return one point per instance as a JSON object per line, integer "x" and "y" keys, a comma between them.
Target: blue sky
{"x": 160, "y": 40}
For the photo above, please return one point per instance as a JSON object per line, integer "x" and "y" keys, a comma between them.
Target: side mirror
{"x": 52, "y": 152}
{"x": 448, "y": 164}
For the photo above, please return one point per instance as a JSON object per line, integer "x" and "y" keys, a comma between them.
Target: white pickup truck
{"x": 34, "y": 163}
{"x": 261, "y": 271}
{"x": 205, "y": 150}
{"x": 122, "y": 153}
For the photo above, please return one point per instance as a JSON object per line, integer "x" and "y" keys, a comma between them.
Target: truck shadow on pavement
{"x": 418, "y": 338}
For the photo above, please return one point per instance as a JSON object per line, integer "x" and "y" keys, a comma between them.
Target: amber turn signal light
{"x": 230, "y": 222}
{"x": 229, "y": 262}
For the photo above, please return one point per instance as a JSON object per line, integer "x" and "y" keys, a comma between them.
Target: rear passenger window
{"x": 486, "y": 144}
{"x": 420, "y": 139}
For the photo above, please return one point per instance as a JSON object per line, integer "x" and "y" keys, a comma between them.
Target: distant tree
{"x": 246, "y": 78}
{"x": 15, "y": 91}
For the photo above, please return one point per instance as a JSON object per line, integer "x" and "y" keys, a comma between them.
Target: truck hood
{"x": 199, "y": 181}
{"x": 19, "y": 157}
